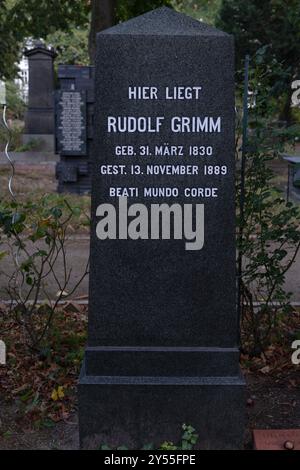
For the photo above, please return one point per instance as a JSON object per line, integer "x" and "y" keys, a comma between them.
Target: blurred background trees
{"x": 22, "y": 19}
{"x": 71, "y": 26}
{"x": 274, "y": 25}
{"x": 106, "y": 13}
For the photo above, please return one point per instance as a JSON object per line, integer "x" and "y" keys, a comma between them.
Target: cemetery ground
{"x": 38, "y": 403}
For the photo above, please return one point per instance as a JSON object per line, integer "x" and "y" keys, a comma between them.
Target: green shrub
{"x": 34, "y": 235}
{"x": 269, "y": 237}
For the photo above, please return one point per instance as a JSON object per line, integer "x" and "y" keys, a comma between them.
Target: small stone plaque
{"x": 276, "y": 439}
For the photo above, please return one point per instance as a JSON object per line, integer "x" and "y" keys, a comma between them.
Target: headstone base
{"x": 42, "y": 142}
{"x": 135, "y": 411}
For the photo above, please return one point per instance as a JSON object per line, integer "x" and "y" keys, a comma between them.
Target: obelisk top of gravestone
{"x": 164, "y": 21}
{"x": 39, "y": 47}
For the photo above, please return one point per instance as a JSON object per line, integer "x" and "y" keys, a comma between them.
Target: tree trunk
{"x": 286, "y": 113}
{"x": 103, "y": 16}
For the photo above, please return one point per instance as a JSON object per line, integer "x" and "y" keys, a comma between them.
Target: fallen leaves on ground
{"x": 44, "y": 384}
{"x": 58, "y": 394}
{"x": 275, "y": 361}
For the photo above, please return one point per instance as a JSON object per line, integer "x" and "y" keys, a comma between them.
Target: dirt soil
{"x": 62, "y": 436}
{"x": 274, "y": 403}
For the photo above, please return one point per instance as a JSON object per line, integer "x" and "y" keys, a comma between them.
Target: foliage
{"x": 35, "y": 237}
{"x": 20, "y": 19}
{"x": 189, "y": 439}
{"x": 64, "y": 24}
{"x": 43, "y": 387}
{"x": 16, "y": 133}
{"x": 71, "y": 46}
{"x": 14, "y": 101}
{"x": 270, "y": 227}
{"x": 127, "y": 9}
{"x": 9, "y": 44}
{"x": 272, "y": 23}
{"x": 15, "y": 114}
{"x": 255, "y": 24}
{"x": 32, "y": 144}
{"x": 204, "y": 10}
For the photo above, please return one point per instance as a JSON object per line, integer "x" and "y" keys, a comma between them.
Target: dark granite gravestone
{"x": 39, "y": 118}
{"x": 74, "y": 112}
{"x": 163, "y": 331}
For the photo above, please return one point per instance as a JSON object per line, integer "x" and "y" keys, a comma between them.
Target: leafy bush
{"x": 71, "y": 46}
{"x": 189, "y": 439}
{"x": 15, "y": 114}
{"x": 269, "y": 226}
{"x": 34, "y": 235}
{"x": 16, "y": 132}
{"x": 15, "y": 103}
{"x": 276, "y": 27}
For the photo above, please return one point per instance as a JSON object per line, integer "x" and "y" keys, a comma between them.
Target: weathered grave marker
{"x": 162, "y": 336}
{"x": 71, "y": 126}
{"x": 39, "y": 121}
{"x": 74, "y": 108}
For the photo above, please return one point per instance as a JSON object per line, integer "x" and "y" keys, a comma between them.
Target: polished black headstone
{"x": 162, "y": 319}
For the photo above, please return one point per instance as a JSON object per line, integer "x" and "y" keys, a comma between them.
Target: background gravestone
{"x": 74, "y": 113}
{"x": 162, "y": 335}
{"x": 39, "y": 117}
